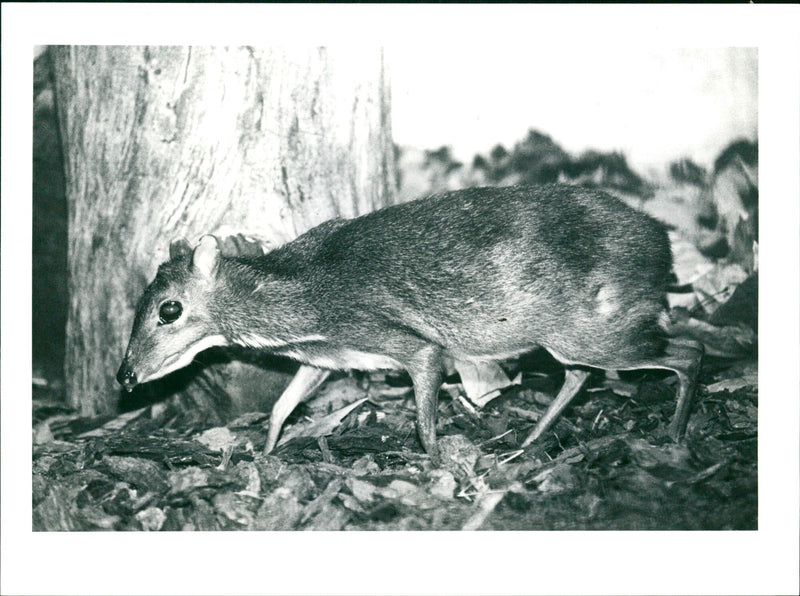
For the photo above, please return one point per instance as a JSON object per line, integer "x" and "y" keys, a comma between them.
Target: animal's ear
{"x": 205, "y": 258}
{"x": 179, "y": 247}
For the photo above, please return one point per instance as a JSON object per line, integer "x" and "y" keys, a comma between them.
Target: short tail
{"x": 682, "y": 289}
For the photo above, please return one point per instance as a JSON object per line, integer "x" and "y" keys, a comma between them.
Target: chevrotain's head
{"x": 172, "y": 323}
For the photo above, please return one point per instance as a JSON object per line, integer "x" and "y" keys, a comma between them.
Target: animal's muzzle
{"x": 126, "y": 376}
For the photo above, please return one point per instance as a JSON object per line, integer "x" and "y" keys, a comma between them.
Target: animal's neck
{"x": 260, "y": 309}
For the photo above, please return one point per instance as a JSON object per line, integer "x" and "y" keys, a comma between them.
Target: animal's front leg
{"x": 304, "y": 383}
{"x": 425, "y": 368}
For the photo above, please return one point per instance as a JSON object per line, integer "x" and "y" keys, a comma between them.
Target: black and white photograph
{"x": 398, "y": 300}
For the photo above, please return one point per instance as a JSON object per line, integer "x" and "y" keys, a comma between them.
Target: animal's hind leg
{"x": 683, "y": 357}
{"x": 574, "y": 379}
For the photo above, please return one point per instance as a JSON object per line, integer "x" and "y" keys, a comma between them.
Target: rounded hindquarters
{"x": 641, "y": 340}
{"x": 611, "y": 339}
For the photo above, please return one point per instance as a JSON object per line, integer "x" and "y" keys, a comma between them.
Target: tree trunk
{"x": 161, "y": 142}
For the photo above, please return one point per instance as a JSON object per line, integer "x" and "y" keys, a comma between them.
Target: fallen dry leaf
{"x": 217, "y": 439}
{"x": 748, "y": 380}
{"x": 482, "y": 380}
{"x": 484, "y": 505}
{"x": 319, "y": 428}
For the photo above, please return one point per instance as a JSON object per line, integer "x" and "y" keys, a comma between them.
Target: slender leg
{"x": 573, "y": 381}
{"x": 684, "y": 358}
{"x": 304, "y": 383}
{"x": 426, "y": 374}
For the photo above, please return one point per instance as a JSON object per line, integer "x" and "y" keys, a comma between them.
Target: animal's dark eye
{"x": 169, "y": 312}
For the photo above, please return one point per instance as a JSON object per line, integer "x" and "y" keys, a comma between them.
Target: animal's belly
{"x": 344, "y": 359}
{"x": 494, "y": 345}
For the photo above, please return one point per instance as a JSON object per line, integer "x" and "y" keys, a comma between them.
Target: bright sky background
{"x": 654, "y": 105}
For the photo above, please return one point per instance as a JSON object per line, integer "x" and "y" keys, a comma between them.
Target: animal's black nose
{"x": 126, "y": 377}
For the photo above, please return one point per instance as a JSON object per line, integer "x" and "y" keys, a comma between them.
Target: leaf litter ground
{"x": 607, "y": 465}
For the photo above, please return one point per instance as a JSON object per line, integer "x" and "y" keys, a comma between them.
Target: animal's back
{"x": 494, "y": 271}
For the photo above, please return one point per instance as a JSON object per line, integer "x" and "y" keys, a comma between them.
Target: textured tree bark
{"x": 161, "y": 142}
